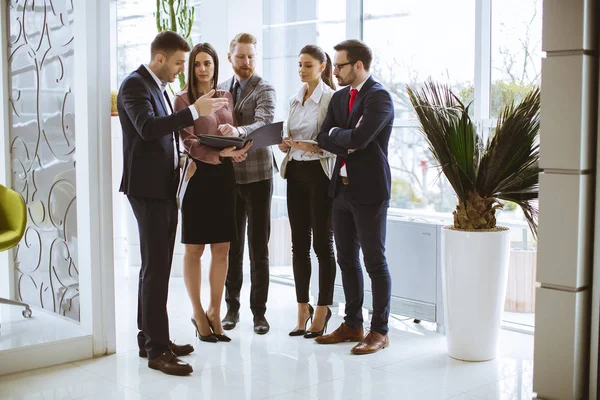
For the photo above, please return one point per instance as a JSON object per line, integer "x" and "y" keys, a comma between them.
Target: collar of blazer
{"x": 248, "y": 88}
{"x": 155, "y": 90}
{"x": 323, "y": 106}
{"x": 358, "y": 101}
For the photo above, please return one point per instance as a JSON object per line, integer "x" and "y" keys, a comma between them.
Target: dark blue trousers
{"x": 362, "y": 226}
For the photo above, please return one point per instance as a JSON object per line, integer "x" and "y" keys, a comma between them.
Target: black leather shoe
{"x": 261, "y": 326}
{"x": 301, "y": 332}
{"x": 170, "y": 365}
{"x": 208, "y": 338}
{"x": 231, "y": 319}
{"x": 312, "y": 335}
{"x": 178, "y": 350}
{"x": 221, "y": 337}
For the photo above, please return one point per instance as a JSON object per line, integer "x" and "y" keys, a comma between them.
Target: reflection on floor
{"x": 275, "y": 366}
{"x": 42, "y": 327}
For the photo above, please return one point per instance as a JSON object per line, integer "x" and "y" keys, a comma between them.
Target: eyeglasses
{"x": 340, "y": 66}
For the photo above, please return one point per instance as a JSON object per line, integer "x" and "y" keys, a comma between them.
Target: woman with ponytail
{"x": 308, "y": 170}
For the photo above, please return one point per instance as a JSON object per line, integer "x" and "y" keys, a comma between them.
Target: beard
{"x": 243, "y": 72}
{"x": 347, "y": 80}
{"x": 167, "y": 75}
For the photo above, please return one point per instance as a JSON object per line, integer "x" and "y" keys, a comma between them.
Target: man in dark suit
{"x": 357, "y": 128}
{"x": 150, "y": 177}
{"x": 254, "y": 106}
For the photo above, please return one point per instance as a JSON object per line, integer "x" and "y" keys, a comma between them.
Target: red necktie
{"x": 353, "y": 94}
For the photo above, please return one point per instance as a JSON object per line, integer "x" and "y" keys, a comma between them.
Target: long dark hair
{"x": 191, "y": 85}
{"x": 320, "y": 55}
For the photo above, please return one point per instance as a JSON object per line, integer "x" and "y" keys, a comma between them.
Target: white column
{"x": 354, "y": 19}
{"x": 483, "y": 58}
{"x": 94, "y": 188}
{"x": 566, "y": 227}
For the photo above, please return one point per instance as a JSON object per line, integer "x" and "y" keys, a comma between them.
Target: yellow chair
{"x": 13, "y": 221}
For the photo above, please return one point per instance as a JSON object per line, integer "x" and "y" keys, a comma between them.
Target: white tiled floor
{"x": 43, "y": 327}
{"x": 275, "y": 366}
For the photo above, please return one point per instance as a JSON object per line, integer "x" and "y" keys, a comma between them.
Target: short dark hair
{"x": 168, "y": 42}
{"x": 357, "y": 51}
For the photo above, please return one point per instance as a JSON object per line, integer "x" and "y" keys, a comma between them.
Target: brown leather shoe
{"x": 178, "y": 350}
{"x": 342, "y": 334}
{"x": 170, "y": 365}
{"x": 372, "y": 343}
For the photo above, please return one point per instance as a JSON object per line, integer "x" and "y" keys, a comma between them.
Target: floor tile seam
{"x": 108, "y": 390}
{"x": 123, "y": 386}
{"x": 401, "y": 361}
{"x": 491, "y": 383}
{"x": 258, "y": 379}
{"x": 327, "y": 381}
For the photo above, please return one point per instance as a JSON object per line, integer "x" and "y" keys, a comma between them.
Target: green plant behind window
{"x": 176, "y": 16}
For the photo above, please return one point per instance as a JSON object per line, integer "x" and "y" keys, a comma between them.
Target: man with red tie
{"x": 357, "y": 128}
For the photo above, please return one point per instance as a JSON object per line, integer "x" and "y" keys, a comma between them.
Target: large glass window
{"x": 413, "y": 40}
{"x": 516, "y": 50}
{"x": 412, "y": 44}
{"x": 136, "y": 28}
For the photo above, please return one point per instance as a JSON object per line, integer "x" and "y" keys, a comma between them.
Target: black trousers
{"x": 253, "y": 207}
{"x": 157, "y": 225}
{"x": 364, "y": 226}
{"x": 309, "y": 211}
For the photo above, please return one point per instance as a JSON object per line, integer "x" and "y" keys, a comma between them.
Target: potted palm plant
{"x": 475, "y": 249}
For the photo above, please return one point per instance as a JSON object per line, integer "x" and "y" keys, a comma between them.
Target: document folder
{"x": 264, "y": 136}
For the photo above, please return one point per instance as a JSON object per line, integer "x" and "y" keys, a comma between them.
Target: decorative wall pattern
{"x": 41, "y": 64}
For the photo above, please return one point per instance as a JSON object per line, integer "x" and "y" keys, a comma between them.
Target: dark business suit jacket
{"x": 367, "y": 168}
{"x": 148, "y": 155}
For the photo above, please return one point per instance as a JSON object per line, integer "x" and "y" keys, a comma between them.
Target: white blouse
{"x": 302, "y": 121}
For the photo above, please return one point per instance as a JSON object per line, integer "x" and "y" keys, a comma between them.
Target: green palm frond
{"x": 507, "y": 168}
{"x": 450, "y": 134}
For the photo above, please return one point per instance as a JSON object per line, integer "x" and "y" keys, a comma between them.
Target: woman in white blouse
{"x": 308, "y": 170}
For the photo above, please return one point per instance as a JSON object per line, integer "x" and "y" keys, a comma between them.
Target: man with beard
{"x": 254, "y": 106}
{"x": 151, "y": 167}
{"x": 357, "y": 128}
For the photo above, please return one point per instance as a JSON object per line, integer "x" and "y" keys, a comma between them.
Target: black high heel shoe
{"x": 300, "y": 332}
{"x": 208, "y": 338}
{"x": 221, "y": 337}
{"x": 312, "y": 335}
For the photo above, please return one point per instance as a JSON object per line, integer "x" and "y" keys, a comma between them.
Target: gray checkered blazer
{"x": 254, "y": 108}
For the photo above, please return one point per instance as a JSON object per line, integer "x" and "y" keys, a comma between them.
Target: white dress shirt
{"x": 163, "y": 86}
{"x": 343, "y": 169}
{"x": 303, "y": 121}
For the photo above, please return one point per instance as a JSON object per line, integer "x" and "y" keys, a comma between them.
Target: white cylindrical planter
{"x": 475, "y": 269}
